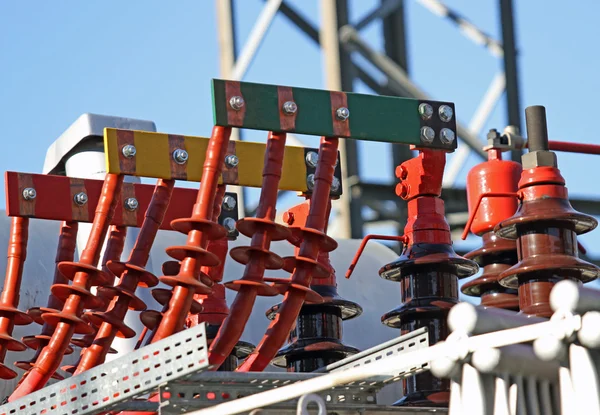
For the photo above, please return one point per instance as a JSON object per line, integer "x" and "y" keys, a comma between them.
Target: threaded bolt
{"x": 310, "y": 181}
{"x": 80, "y": 199}
{"x": 447, "y": 136}
{"x": 131, "y": 203}
{"x": 29, "y": 193}
{"x": 312, "y": 158}
{"x": 180, "y": 156}
{"x": 129, "y": 151}
{"x": 229, "y": 225}
{"x": 231, "y": 161}
{"x": 236, "y": 103}
{"x": 335, "y": 184}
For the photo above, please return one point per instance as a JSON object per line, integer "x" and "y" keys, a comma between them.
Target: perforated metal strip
{"x": 105, "y": 386}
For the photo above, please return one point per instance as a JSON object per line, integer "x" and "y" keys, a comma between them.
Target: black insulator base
{"x": 240, "y": 351}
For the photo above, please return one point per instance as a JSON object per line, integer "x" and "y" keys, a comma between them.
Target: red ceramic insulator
{"x": 67, "y": 242}
{"x": 305, "y": 263}
{"x": 257, "y": 257}
{"x": 200, "y": 228}
{"x": 495, "y": 176}
{"x": 9, "y": 299}
{"x": 76, "y": 296}
{"x": 111, "y": 323}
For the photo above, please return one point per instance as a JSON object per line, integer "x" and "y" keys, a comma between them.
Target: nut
{"x": 229, "y": 203}
{"x": 288, "y": 218}
{"x": 427, "y": 134}
{"x": 342, "y": 113}
{"x": 310, "y": 181}
{"x": 80, "y": 199}
{"x": 131, "y": 203}
{"x": 229, "y": 224}
{"x": 290, "y": 107}
{"x": 129, "y": 151}
{"x": 425, "y": 111}
{"x": 231, "y": 161}
{"x": 312, "y": 159}
{"x": 335, "y": 184}
{"x": 539, "y": 159}
{"x": 236, "y": 103}
{"x": 180, "y": 156}
{"x": 29, "y": 193}
{"x": 446, "y": 113}
{"x": 447, "y": 136}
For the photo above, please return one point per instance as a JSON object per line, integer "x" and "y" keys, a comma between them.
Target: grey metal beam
{"x": 353, "y": 42}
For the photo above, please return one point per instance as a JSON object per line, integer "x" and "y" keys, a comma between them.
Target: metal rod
{"x": 382, "y": 11}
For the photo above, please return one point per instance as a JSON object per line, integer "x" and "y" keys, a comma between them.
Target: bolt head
{"x": 290, "y": 107}
{"x": 180, "y": 156}
{"x": 342, "y": 113}
{"x": 236, "y": 103}
{"x": 231, "y": 161}
{"x": 229, "y": 224}
{"x": 288, "y": 218}
{"x": 310, "y": 181}
{"x": 445, "y": 112}
{"x": 229, "y": 203}
{"x": 335, "y": 184}
{"x": 425, "y": 111}
{"x": 312, "y": 158}
{"x": 427, "y": 134}
{"x": 29, "y": 193}
{"x": 401, "y": 172}
{"x": 129, "y": 151}
{"x": 447, "y": 136}
{"x": 80, "y": 199}
{"x": 131, "y": 203}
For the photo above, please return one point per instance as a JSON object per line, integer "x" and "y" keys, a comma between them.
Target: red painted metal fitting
{"x": 493, "y": 177}
{"x": 428, "y": 270}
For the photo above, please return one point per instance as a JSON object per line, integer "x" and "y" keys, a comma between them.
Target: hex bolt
{"x": 310, "y": 181}
{"x": 427, "y": 134}
{"x": 290, "y": 107}
{"x": 29, "y": 193}
{"x": 129, "y": 151}
{"x": 342, "y": 113}
{"x": 445, "y": 112}
{"x": 236, "y": 102}
{"x": 312, "y": 158}
{"x": 131, "y": 203}
{"x": 229, "y": 203}
{"x": 425, "y": 111}
{"x": 447, "y": 136}
{"x": 288, "y": 218}
{"x": 229, "y": 225}
{"x": 80, "y": 199}
{"x": 180, "y": 156}
{"x": 335, "y": 184}
{"x": 231, "y": 161}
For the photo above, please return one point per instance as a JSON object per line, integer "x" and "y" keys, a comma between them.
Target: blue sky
{"x": 154, "y": 60}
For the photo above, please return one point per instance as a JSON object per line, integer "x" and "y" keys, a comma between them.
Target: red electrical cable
{"x": 76, "y": 296}
{"x": 314, "y": 240}
{"x": 131, "y": 274}
{"x": 9, "y": 299}
{"x": 574, "y": 147}
{"x": 257, "y": 256}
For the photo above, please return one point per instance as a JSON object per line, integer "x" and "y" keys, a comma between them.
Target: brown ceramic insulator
{"x": 111, "y": 323}
{"x": 257, "y": 257}
{"x": 69, "y": 319}
{"x": 9, "y": 299}
{"x": 495, "y": 256}
{"x": 313, "y": 241}
{"x": 200, "y": 228}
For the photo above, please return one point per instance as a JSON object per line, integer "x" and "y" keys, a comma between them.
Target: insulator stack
{"x": 545, "y": 226}
{"x": 131, "y": 275}
{"x": 76, "y": 296}
{"x": 427, "y": 270}
{"x": 485, "y": 182}
{"x": 316, "y": 339}
{"x": 257, "y": 257}
{"x": 67, "y": 242}
{"x": 312, "y": 241}
{"x": 9, "y": 299}
{"x": 199, "y": 228}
